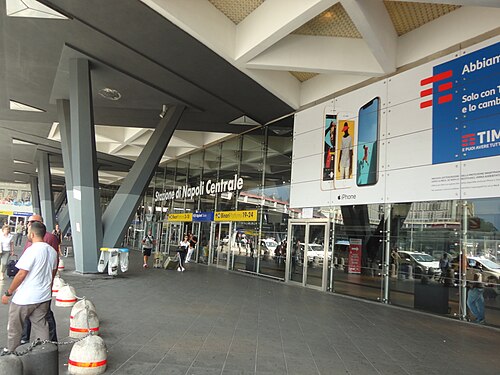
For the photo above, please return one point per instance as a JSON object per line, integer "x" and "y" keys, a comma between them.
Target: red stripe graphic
{"x": 426, "y": 92}
{"x": 437, "y": 77}
{"x": 65, "y": 300}
{"x": 445, "y": 86}
{"x": 83, "y": 329}
{"x": 87, "y": 364}
{"x": 445, "y": 98}
{"x": 426, "y": 104}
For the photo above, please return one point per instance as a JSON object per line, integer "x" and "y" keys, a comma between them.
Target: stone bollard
{"x": 11, "y": 365}
{"x": 60, "y": 266}
{"x": 42, "y": 360}
{"x": 66, "y": 297}
{"x": 83, "y": 322}
{"x": 83, "y": 304}
{"x": 88, "y": 356}
{"x": 342, "y": 263}
{"x": 410, "y": 273}
{"x": 335, "y": 262}
{"x": 58, "y": 284}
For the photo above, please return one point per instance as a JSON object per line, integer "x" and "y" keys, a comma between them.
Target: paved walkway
{"x": 210, "y": 321}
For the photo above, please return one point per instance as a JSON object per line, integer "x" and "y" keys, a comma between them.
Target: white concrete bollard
{"x": 88, "y": 356}
{"x": 66, "y": 297}
{"x": 83, "y": 322}
{"x": 60, "y": 267}
{"x": 58, "y": 284}
{"x": 81, "y": 305}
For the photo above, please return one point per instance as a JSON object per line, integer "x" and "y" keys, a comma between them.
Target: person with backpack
{"x": 147, "y": 246}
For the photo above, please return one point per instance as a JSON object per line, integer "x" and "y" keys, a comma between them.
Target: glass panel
{"x": 483, "y": 257}
{"x": 315, "y": 254}
{"x": 425, "y": 235}
{"x": 358, "y": 250}
{"x": 298, "y": 235}
{"x": 221, "y": 244}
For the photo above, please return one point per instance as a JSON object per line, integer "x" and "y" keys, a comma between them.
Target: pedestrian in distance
{"x": 147, "y": 246}
{"x": 193, "y": 240}
{"x": 32, "y": 287}
{"x": 6, "y": 250}
{"x": 19, "y": 233}
{"x": 183, "y": 248}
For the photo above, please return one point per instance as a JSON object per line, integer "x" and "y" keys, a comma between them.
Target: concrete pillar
{"x": 122, "y": 207}
{"x": 35, "y": 198}
{"x": 87, "y": 233}
{"x": 45, "y": 190}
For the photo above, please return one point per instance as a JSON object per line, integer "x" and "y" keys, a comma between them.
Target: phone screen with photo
{"x": 345, "y": 153}
{"x": 368, "y": 129}
{"x": 330, "y": 133}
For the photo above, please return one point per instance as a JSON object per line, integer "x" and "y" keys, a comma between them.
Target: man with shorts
{"x": 147, "y": 246}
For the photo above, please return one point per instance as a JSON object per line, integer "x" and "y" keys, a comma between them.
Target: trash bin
{"x": 250, "y": 264}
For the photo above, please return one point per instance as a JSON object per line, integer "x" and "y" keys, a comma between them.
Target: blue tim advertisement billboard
{"x": 465, "y": 97}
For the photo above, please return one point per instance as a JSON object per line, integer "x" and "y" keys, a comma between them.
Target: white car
{"x": 315, "y": 252}
{"x": 268, "y": 244}
{"x": 422, "y": 263}
{"x": 489, "y": 269}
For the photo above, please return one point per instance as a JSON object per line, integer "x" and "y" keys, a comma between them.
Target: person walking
{"x": 6, "y": 250}
{"x": 193, "y": 240}
{"x": 183, "y": 248}
{"x": 147, "y": 246}
{"x": 475, "y": 298}
{"x": 51, "y": 240}
{"x": 19, "y": 233}
{"x": 32, "y": 287}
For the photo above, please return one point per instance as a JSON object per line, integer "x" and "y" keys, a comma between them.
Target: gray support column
{"x": 64, "y": 220}
{"x": 63, "y": 114}
{"x": 45, "y": 189}
{"x": 35, "y": 197}
{"x": 122, "y": 207}
{"x": 59, "y": 200}
{"x": 87, "y": 236}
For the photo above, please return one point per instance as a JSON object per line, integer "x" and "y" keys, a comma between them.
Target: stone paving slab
{"x": 211, "y": 321}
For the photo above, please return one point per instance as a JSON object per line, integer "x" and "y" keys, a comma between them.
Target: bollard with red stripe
{"x": 57, "y": 284}
{"x": 66, "y": 297}
{"x": 83, "y": 304}
{"x": 60, "y": 266}
{"x": 88, "y": 357}
{"x": 84, "y": 321}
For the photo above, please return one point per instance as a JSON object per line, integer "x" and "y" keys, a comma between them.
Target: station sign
{"x": 203, "y": 216}
{"x": 180, "y": 217}
{"x": 248, "y": 215}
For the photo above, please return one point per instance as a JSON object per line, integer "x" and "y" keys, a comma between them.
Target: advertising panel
{"x": 354, "y": 261}
{"x": 429, "y": 133}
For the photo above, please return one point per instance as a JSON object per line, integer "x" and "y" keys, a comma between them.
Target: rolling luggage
{"x": 12, "y": 270}
{"x": 171, "y": 263}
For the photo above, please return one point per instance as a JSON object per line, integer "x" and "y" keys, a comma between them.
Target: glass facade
{"x": 421, "y": 255}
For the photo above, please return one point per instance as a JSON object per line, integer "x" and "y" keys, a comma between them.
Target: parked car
{"x": 315, "y": 252}
{"x": 422, "y": 263}
{"x": 269, "y": 245}
{"x": 489, "y": 269}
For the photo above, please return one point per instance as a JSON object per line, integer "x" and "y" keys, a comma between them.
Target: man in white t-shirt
{"x": 33, "y": 288}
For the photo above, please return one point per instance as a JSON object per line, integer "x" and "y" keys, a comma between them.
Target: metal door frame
{"x": 307, "y": 223}
{"x": 217, "y": 241}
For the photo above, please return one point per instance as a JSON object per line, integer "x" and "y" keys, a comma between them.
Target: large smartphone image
{"x": 368, "y": 130}
{"x": 345, "y": 155}
{"x": 330, "y": 134}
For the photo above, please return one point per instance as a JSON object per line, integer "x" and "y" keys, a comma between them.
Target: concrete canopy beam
{"x": 45, "y": 190}
{"x": 122, "y": 207}
{"x": 374, "y": 23}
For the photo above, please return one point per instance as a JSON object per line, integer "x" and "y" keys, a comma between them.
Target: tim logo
{"x": 443, "y": 87}
{"x": 468, "y": 140}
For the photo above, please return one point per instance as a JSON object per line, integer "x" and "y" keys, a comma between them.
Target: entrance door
{"x": 220, "y": 244}
{"x": 307, "y": 252}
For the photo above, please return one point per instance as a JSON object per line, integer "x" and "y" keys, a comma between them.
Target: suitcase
{"x": 171, "y": 263}
{"x": 158, "y": 260}
{"x": 12, "y": 270}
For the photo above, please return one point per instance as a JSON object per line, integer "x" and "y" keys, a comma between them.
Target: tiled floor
{"x": 210, "y": 321}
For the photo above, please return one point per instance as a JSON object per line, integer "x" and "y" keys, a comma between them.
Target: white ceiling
{"x": 264, "y": 46}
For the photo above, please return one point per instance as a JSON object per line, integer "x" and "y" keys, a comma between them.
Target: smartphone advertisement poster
{"x": 354, "y": 262}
